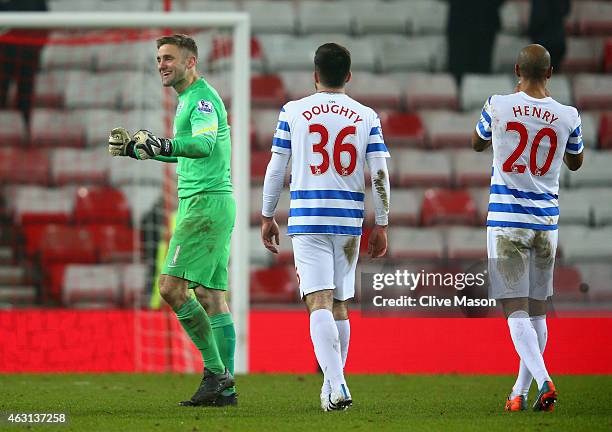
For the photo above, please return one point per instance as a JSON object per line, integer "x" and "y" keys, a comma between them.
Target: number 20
{"x": 520, "y": 128}
{"x": 339, "y": 147}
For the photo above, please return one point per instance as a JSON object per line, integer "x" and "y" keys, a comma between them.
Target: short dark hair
{"x": 333, "y": 63}
{"x": 180, "y": 40}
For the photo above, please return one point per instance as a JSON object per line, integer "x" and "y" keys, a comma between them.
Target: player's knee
{"x": 213, "y": 301}
{"x": 537, "y": 307}
{"x": 173, "y": 293}
{"x": 340, "y": 310}
{"x": 319, "y": 300}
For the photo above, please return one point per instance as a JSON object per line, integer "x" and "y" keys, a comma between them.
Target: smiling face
{"x": 174, "y": 65}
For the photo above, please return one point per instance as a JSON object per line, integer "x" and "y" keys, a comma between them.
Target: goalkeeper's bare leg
{"x": 196, "y": 323}
{"x": 213, "y": 301}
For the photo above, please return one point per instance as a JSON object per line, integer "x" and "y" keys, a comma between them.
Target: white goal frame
{"x": 239, "y": 23}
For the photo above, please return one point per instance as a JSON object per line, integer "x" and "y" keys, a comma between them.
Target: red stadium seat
{"x": 12, "y": 128}
{"x": 567, "y": 282}
{"x": 608, "y": 56}
{"x": 114, "y": 242}
{"x": 16, "y": 168}
{"x": 222, "y": 50}
{"x": 100, "y": 205}
{"x": 402, "y": 129}
{"x": 448, "y": 207}
{"x": 605, "y": 131}
{"x": 274, "y": 285}
{"x": 259, "y": 163}
{"x": 54, "y": 281}
{"x": 33, "y": 235}
{"x": 66, "y": 244}
{"x": 268, "y": 91}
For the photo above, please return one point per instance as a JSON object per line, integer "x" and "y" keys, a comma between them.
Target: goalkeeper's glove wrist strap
{"x": 166, "y": 147}
{"x": 129, "y": 150}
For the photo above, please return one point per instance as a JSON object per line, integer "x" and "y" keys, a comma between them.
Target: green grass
{"x": 134, "y": 402}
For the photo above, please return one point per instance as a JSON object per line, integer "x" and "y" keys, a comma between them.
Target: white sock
{"x": 524, "y": 378}
{"x": 526, "y": 344}
{"x": 344, "y": 334}
{"x": 325, "y": 340}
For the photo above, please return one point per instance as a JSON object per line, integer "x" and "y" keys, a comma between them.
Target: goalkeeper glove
{"x": 147, "y": 145}
{"x": 120, "y": 144}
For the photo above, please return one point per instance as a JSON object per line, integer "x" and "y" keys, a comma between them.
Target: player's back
{"x": 530, "y": 137}
{"x": 330, "y": 136}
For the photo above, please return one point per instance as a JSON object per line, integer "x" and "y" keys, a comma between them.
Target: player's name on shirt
{"x": 333, "y": 108}
{"x": 534, "y": 111}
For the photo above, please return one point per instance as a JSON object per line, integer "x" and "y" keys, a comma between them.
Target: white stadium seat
{"x": 584, "y": 244}
{"x": 575, "y": 206}
{"x": 423, "y": 168}
{"x": 375, "y": 91}
{"x": 429, "y": 91}
{"x": 415, "y": 243}
{"x": 466, "y": 243}
{"x": 282, "y": 20}
{"x": 448, "y": 128}
{"x": 380, "y": 17}
{"x": 472, "y": 168}
{"x": 323, "y": 17}
{"x": 595, "y": 171}
{"x": 91, "y": 285}
{"x": 476, "y": 89}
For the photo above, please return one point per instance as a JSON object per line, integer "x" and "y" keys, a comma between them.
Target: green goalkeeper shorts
{"x": 199, "y": 249}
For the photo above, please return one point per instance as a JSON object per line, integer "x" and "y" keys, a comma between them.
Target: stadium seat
{"x": 594, "y": 17}
{"x": 583, "y": 244}
{"x": 429, "y": 91}
{"x": 428, "y": 16}
{"x": 575, "y": 206}
{"x": 259, "y": 164}
{"x": 363, "y": 54}
{"x": 33, "y": 235}
{"x": 114, "y": 243}
{"x": 282, "y": 208}
{"x": 590, "y": 129}
{"x": 601, "y": 201}
{"x": 423, "y": 168}
{"x": 375, "y": 91}
{"x": 221, "y": 51}
{"x": 560, "y": 89}
{"x": 608, "y": 56}
{"x": 83, "y": 166}
{"x": 262, "y": 21}
{"x": 265, "y": 122}
{"x": 15, "y": 168}
{"x": 101, "y": 205}
{"x": 380, "y": 17}
{"x": 142, "y": 199}
{"x": 35, "y": 204}
{"x": 137, "y": 56}
{"x": 596, "y": 172}
{"x": 467, "y": 243}
{"x": 402, "y": 129}
{"x": 449, "y": 129}
{"x": 323, "y": 17}
{"x": 66, "y": 244}
{"x": 60, "y": 53}
{"x": 53, "y": 282}
{"x": 258, "y": 253}
{"x": 476, "y": 89}
{"x": 592, "y": 91}
{"x": 298, "y": 84}
{"x": 49, "y": 88}
{"x": 405, "y": 207}
{"x": 605, "y": 131}
{"x": 596, "y": 277}
{"x": 415, "y": 243}
{"x": 448, "y": 207}
{"x": 480, "y": 196}
{"x": 127, "y": 171}
{"x": 285, "y": 249}
{"x": 276, "y": 284}
{"x": 205, "y": 5}
{"x": 56, "y": 128}
{"x": 12, "y": 128}
{"x": 91, "y": 285}
{"x": 143, "y": 91}
{"x": 94, "y": 90}
{"x": 396, "y": 53}
{"x": 582, "y": 55}
{"x": 472, "y": 168}
{"x": 566, "y": 282}
{"x": 268, "y": 91}
{"x": 106, "y": 6}
{"x": 514, "y": 16}
{"x": 505, "y": 50}
{"x": 133, "y": 279}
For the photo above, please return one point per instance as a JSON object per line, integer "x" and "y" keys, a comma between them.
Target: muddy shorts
{"x": 199, "y": 249}
{"x": 326, "y": 262}
{"x": 521, "y": 262}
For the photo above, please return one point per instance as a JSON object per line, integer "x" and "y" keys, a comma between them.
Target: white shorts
{"x": 521, "y": 262}
{"x": 326, "y": 262}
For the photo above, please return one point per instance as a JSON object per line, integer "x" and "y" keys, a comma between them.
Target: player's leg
{"x": 314, "y": 262}
{"x": 509, "y": 264}
{"x": 222, "y": 324}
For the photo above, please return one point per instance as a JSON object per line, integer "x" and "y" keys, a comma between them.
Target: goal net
{"x": 94, "y": 228}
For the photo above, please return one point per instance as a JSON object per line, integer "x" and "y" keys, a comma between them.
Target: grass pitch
{"x": 135, "y": 402}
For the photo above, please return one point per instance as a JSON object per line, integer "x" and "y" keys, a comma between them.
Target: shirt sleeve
{"x": 483, "y": 127}
{"x": 575, "y": 144}
{"x": 381, "y": 189}
{"x": 204, "y": 126}
{"x": 273, "y": 182}
{"x": 376, "y": 147}
{"x": 281, "y": 143}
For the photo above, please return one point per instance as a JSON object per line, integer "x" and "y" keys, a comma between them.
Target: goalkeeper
{"x": 198, "y": 252}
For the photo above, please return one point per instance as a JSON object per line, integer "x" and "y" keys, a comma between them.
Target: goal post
{"x": 239, "y": 24}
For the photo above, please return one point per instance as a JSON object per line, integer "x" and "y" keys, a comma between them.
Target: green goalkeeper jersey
{"x": 201, "y": 142}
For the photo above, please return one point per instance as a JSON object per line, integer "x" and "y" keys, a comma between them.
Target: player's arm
{"x": 481, "y": 137}
{"x": 381, "y": 191}
{"x": 376, "y": 158}
{"x": 273, "y": 181}
{"x": 574, "y": 149}
{"x": 168, "y": 159}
